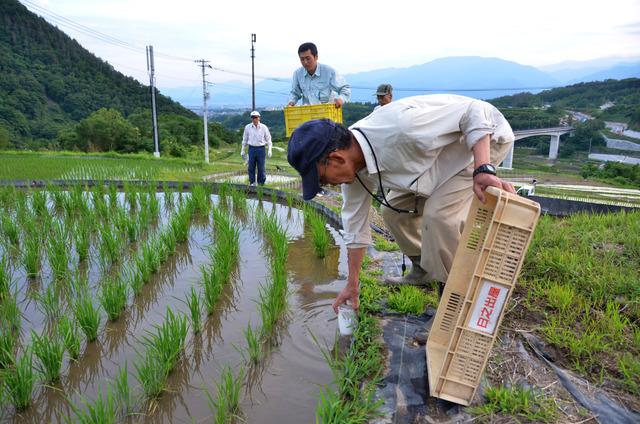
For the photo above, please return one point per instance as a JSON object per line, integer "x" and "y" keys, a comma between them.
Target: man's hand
{"x": 339, "y": 102}
{"x": 483, "y": 180}
{"x": 291, "y": 104}
{"x": 242, "y": 151}
{"x": 269, "y": 152}
{"x": 349, "y": 293}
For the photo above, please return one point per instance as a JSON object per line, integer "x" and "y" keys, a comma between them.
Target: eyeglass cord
{"x": 384, "y": 200}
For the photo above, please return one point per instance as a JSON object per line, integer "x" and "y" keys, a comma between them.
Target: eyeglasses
{"x": 254, "y": 117}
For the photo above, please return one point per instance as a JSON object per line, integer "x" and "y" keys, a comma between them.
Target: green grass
{"x": 581, "y": 272}
{"x": 383, "y": 245}
{"x": 517, "y": 402}
{"x": 106, "y": 166}
{"x": 411, "y": 300}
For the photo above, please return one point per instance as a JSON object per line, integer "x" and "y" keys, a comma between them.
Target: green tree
{"x": 106, "y": 129}
{"x": 5, "y": 138}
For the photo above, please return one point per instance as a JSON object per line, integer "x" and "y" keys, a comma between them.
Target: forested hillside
{"x": 623, "y": 97}
{"x": 49, "y": 82}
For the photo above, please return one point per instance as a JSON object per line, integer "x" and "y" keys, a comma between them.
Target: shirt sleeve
{"x": 245, "y": 137}
{"x": 477, "y": 122}
{"x": 339, "y": 85}
{"x": 296, "y": 91}
{"x": 267, "y": 136}
{"x": 355, "y": 213}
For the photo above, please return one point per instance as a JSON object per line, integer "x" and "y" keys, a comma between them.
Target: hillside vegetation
{"x": 49, "y": 82}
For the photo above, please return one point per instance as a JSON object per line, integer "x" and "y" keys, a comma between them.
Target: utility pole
{"x": 253, "y": 81}
{"x": 205, "y": 95}
{"x": 154, "y": 116}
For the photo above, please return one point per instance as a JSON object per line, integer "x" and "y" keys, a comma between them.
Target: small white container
{"x": 347, "y": 319}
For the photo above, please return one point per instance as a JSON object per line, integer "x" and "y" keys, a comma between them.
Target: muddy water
{"x": 284, "y": 389}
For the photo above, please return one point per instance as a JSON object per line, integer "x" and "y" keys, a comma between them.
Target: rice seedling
{"x": 239, "y": 199}
{"x": 135, "y": 277}
{"x": 10, "y": 312}
{"x": 113, "y": 297}
{"x": 49, "y": 350}
{"x": 68, "y": 331}
{"x": 102, "y": 410}
{"x": 110, "y": 246}
{"x": 31, "y": 255}
{"x": 201, "y": 198}
{"x": 87, "y": 316}
{"x": 82, "y": 239}
{"x": 274, "y": 198}
{"x": 169, "y": 241}
{"x": 5, "y": 277}
{"x": 58, "y": 254}
{"x": 168, "y": 342}
{"x": 39, "y": 202}
{"x": 151, "y": 256}
{"x": 226, "y": 406}
{"x": 113, "y": 194}
{"x": 19, "y": 379}
{"x": 223, "y": 191}
{"x": 100, "y": 206}
{"x": 259, "y": 193}
{"x": 78, "y": 285}
{"x": 179, "y": 223}
{"x": 320, "y": 236}
{"x": 154, "y": 203}
{"x": 122, "y": 390}
{"x": 162, "y": 351}
{"x": 194, "y": 303}
{"x": 152, "y": 374}
{"x": 169, "y": 199}
{"x": 49, "y": 302}
{"x": 142, "y": 268}
{"x": 9, "y": 229}
{"x": 289, "y": 199}
{"x": 253, "y": 344}
{"x": 212, "y": 284}
{"x": 7, "y": 345}
{"x": 127, "y": 225}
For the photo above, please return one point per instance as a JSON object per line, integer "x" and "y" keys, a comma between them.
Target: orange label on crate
{"x": 488, "y": 307}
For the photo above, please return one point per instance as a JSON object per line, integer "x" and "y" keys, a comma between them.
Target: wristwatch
{"x": 487, "y": 168}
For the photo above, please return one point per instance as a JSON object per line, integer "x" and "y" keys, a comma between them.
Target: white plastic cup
{"x": 347, "y": 319}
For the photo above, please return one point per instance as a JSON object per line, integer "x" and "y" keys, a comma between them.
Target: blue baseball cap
{"x": 307, "y": 145}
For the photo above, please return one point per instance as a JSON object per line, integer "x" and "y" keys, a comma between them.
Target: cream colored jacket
{"x": 419, "y": 142}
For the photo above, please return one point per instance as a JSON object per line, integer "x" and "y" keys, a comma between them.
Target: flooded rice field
{"x": 167, "y": 301}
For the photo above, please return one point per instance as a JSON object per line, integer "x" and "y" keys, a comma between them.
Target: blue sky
{"x": 352, "y": 36}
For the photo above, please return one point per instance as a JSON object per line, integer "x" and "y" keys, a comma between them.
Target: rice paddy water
{"x": 141, "y": 306}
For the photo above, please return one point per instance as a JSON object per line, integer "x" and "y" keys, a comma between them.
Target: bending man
{"x": 433, "y": 152}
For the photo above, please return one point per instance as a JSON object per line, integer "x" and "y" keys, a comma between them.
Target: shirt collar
{"x": 366, "y": 151}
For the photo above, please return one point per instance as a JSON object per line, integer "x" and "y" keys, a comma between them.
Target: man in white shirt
{"x": 433, "y": 152}
{"x": 257, "y": 136}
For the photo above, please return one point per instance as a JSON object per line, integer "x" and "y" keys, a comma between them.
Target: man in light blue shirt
{"x": 316, "y": 83}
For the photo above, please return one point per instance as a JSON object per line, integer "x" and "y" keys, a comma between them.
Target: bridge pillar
{"x": 508, "y": 160}
{"x": 553, "y": 148}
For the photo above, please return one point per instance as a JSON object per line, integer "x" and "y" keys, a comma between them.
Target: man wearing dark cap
{"x": 384, "y": 95}
{"x": 433, "y": 152}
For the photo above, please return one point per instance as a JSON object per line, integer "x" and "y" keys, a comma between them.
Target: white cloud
{"x": 352, "y": 36}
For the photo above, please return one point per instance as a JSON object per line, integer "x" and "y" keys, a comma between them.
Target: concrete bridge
{"x": 554, "y": 132}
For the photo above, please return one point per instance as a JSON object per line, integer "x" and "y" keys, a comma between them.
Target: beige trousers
{"x": 434, "y": 232}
